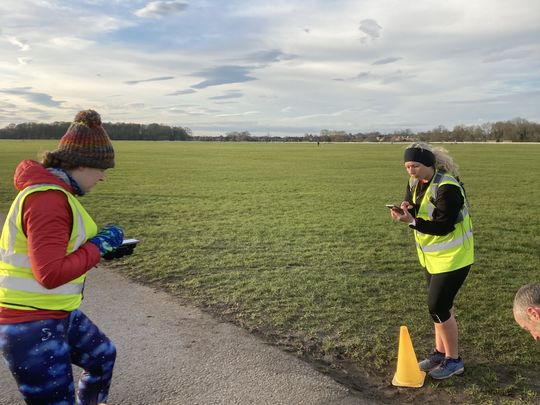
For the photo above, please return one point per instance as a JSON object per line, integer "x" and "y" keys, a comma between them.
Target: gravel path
{"x": 174, "y": 354}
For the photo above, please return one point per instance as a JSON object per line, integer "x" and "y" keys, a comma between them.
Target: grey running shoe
{"x": 432, "y": 362}
{"x": 448, "y": 368}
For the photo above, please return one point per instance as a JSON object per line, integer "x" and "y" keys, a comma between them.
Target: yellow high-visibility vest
{"x": 441, "y": 254}
{"x": 18, "y": 287}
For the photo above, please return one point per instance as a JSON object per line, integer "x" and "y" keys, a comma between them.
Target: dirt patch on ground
{"x": 368, "y": 386}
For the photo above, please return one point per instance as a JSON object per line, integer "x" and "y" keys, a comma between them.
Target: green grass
{"x": 293, "y": 241}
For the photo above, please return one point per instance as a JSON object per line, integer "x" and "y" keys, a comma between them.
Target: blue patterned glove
{"x": 108, "y": 239}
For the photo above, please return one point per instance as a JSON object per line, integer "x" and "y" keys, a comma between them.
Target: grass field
{"x": 293, "y": 241}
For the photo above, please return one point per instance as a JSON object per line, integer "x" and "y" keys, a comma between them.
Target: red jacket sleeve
{"x": 47, "y": 222}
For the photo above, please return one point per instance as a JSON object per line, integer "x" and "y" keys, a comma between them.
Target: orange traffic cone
{"x": 408, "y": 373}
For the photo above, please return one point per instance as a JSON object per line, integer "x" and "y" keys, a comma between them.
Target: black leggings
{"x": 442, "y": 289}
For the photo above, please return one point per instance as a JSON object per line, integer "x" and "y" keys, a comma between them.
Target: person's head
{"x": 85, "y": 151}
{"x": 421, "y": 160}
{"x": 527, "y": 309}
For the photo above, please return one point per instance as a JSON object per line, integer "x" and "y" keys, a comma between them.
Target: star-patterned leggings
{"x": 40, "y": 353}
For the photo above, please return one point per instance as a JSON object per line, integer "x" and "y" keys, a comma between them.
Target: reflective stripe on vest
{"x": 437, "y": 247}
{"x": 440, "y": 254}
{"x": 31, "y": 285}
{"x": 18, "y": 287}
{"x": 14, "y": 259}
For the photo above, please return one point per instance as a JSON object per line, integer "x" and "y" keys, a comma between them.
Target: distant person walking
{"x": 436, "y": 208}
{"x": 48, "y": 244}
{"x": 527, "y": 309}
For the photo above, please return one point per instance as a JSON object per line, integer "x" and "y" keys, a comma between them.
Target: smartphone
{"x": 125, "y": 249}
{"x": 395, "y": 207}
{"x": 127, "y": 246}
{"x": 129, "y": 242}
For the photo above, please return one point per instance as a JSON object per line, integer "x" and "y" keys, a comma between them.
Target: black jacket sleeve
{"x": 448, "y": 203}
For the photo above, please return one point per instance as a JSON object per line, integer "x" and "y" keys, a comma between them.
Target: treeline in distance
{"x": 118, "y": 131}
{"x": 516, "y": 130}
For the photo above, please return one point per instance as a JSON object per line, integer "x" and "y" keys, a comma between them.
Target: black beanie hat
{"x": 424, "y": 156}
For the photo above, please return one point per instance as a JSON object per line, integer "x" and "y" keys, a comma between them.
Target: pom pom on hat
{"x": 86, "y": 143}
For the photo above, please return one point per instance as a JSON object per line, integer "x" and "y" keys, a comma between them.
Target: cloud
{"x": 359, "y": 76}
{"x": 70, "y": 43}
{"x": 154, "y": 79}
{"x": 256, "y": 9}
{"x": 516, "y": 54}
{"x": 397, "y": 76}
{"x": 334, "y": 114}
{"x": 223, "y": 75}
{"x": 386, "y": 61}
{"x": 181, "y": 92}
{"x": 135, "y": 105}
{"x": 229, "y": 94}
{"x": 191, "y": 110}
{"x": 159, "y": 9}
{"x": 504, "y": 99}
{"x": 238, "y": 114}
{"x": 4, "y": 104}
{"x": 176, "y": 110}
{"x": 24, "y": 61}
{"x": 272, "y": 55}
{"x": 38, "y": 98}
{"x": 370, "y": 27}
{"x": 21, "y": 44}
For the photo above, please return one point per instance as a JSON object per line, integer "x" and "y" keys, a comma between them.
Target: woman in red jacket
{"x": 48, "y": 244}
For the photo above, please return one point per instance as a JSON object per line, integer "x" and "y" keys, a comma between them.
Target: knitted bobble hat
{"x": 86, "y": 143}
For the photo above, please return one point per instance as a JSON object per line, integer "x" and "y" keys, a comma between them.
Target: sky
{"x": 279, "y": 68}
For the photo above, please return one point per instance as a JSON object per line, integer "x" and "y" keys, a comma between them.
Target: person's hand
{"x": 405, "y": 205}
{"x": 108, "y": 239}
{"x": 404, "y": 216}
